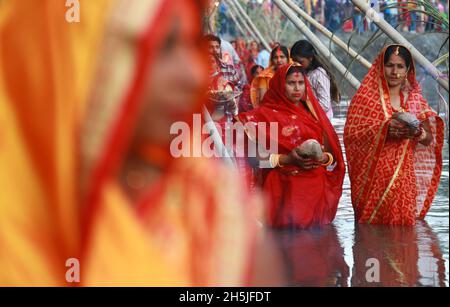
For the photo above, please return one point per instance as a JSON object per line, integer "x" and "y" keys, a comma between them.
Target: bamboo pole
{"x": 328, "y": 33}
{"x": 250, "y": 23}
{"x": 321, "y": 48}
{"x": 217, "y": 139}
{"x": 236, "y": 22}
{"x": 241, "y": 18}
{"x": 399, "y": 39}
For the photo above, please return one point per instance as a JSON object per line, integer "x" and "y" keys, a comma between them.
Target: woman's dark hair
{"x": 305, "y": 49}
{"x": 279, "y": 47}
{"x": 294, "y": 69}
{"x": 254, "y": 68}
{"x": 402, "y": 52}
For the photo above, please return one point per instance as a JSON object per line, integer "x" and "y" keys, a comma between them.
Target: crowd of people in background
{"x": 297, "y": 91}
{"x": 343, "y": 15}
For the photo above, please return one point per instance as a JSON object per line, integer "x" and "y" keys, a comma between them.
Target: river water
{"x": 347, "y": 254}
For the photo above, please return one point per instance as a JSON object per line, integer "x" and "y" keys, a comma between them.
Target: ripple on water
{"x": 433, "y": 265}
{"x": 336, "y": 255}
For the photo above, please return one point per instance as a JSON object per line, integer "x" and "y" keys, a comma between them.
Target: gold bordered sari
{"x": 392, "y": 181}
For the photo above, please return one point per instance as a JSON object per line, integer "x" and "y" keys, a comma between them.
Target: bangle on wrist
{"x": 274, "y": 161}
{"x": 330, "y": 159}
{"x": 278, "y": 161}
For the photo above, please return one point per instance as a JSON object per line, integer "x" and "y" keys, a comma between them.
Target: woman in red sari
{"x": 301, "y": 192}
{"x": 394, "y": 170}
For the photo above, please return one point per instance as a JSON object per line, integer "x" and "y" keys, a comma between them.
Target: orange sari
{"x": 392, "y": 181}
{"x": 176, "y": 234}
{"x": 260, "y": 82}
{"x": 45, "y": 67}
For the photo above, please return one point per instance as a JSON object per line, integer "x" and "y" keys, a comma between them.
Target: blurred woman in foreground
{"x": 140, "y": 217}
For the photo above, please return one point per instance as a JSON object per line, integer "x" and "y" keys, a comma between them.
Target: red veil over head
{"x": 312, "y": 121}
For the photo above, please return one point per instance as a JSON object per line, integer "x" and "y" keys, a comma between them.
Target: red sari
{"x": 392, "y": 181}
{"x": 298, "y": 198}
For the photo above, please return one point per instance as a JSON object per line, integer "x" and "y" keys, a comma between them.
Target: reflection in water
{"x": 313, "y": 257}
{"x": 407, "y": 256}
{"x": 432, "y": 237}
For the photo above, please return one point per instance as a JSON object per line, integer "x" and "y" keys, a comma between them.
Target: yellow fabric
{"x": 43, "y": 86}
{"x": 261, "y": 82}
{"x": 45, "y": 73}
{"x": 308, "y": 7}
{"x": 117, "y": 239}
{"x": 27, "y": 234}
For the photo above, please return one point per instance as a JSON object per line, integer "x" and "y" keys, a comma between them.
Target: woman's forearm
{"x": 426, "y": 137}
{"x": 285, "y": 160}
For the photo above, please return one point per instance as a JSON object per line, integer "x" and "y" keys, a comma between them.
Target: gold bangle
{"x": 278, "y": 161}
{"x": 330, "y": 159}
{"x": 274, "y": 160}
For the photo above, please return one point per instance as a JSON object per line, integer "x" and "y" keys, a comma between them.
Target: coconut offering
{"x": 408, "y": 119}
{"x": 310, "y": 149}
